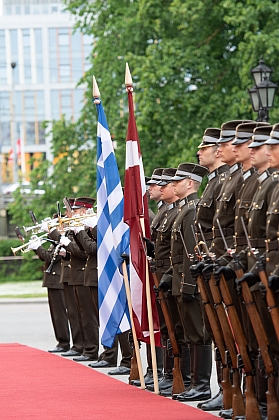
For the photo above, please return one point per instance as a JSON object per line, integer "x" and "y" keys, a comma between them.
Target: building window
{"x": 8, "y": 10}
{"x": 39, "y": 55}
{"x": 63, "y": 36}
{"x": 14, "y": 54}
{"x": 30, "y": 133}
{"x": 27, "y": 10}
{"x": 41, "y": 132}
{"x": 5, "y": 133}
{"x": 3, "y": 67}
{"x": 54, "y": 9}
{"x": 45, "y": 9}
{"x": 29, "y": 108}
{"x": 18, "y": 10}
{"x": 64, "y": 72}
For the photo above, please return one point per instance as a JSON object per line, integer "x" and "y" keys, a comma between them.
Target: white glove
{"x": 77, "y": 229}
{"x": 64, "y": 240}
{"x": 90, "y": 221}
{"x": 44, "y": 226}
{"x": 62, "y": 252}
{"x": 34, "y": 245}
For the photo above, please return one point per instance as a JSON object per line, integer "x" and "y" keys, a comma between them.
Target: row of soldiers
{"x": 71, "y": 278}
{"x": 216, "y": 259}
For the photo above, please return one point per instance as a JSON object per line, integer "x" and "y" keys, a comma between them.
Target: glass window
{"x": 42, "y": 137}
{"x": 39, "y": 55}
{"x": 14, "y": 54}
{"x": 8, "y": 10}
{"x": 36, "y": 10}
{"x": 18, "y": 10}
{"x": 78, "y": 102}
{"x": 40, "y": 103}
{"x": 54, "y": 9}
{"x": 29, "y": 103}
{"x": 30, "y": 133}
{"x": 53, "y": 70}
{"x": 5, "y": 105}
{"x": 5, "y": 133}
{"x": 52, "y": 39}
{"x": 3, "y": 67}
{"x": 66, "y": 103}
{"x": 45, "y": 9}
{"x": 18, "y": 104}
{"x": 64, "y": 72}
{"x": 27, "y": 10}
{"x": 63, "y": 37}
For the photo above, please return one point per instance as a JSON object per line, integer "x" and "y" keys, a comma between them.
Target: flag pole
{"x": 136, "y": 343}
{"x": 129, "y": 86}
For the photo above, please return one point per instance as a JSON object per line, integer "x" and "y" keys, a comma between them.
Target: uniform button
{"x": 83, "y": 268}
{"x": 275, "y": 211}
{"x": 238, "y": 200}
{"x": 54, "y": 273}
{"x": 250, "y": 219}
{"x": 236, "y": 217}
{"x": 267, "y": 260}
{"x": 273, "y": 203}
{"x": 69, "y": 265}
{"x": 230, "y": 177}
{"x": 249, "y": 254}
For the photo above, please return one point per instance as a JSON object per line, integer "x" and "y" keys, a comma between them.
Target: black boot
{"x": 166, "y": 381}
{"x": 226, "y": 414}
{"x": 185, "y": 367}
{"x": 200, "y": 390}
{"x": 216, "y": 402}
{"x": 148, "y": 377}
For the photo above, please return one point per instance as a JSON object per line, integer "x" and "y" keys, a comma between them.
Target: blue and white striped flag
{"x": 112, "y": 238}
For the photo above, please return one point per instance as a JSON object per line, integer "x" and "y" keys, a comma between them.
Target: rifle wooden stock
{"x": 271, "y": 396}
{"x": 178, "y": 384}
{"x": 237, "y": 397}
{"x": 252, "y": 408}
{"x": 134, "y": 372}
{"x": 270, "y": 300}
{"x": 219, "y": 342}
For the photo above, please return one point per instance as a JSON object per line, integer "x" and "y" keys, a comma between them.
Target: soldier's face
{"x": 273, "y": 155}
{"x": 259, "y": 158}
{"x": 242, "y": 152}
{"x": 180, "y": 187}
{"x": 226, "y": 153}
{"x": 206, "y": 156}
{"x": 154, "y": 192}
{"x": 167, "y": 193}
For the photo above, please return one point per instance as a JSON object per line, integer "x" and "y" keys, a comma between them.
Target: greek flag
{"x": 112, "y": 238}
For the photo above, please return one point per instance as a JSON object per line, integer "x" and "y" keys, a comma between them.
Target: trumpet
{"x": 24, "y": 248}
{"x": 38, "y": 227}
{"x": 67, "y": 222}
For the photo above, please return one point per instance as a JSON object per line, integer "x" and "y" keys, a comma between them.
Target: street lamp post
{"x": 263, "y": 92}
{"x": 14, "y": 131}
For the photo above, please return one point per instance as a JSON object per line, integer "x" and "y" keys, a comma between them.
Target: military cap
{"x": 156, "y": 176}
{"x": 260, "y": 135}
{"x": 191, "y": 171}
{"x": 167, "y": 176}
{"x": 210, "y": 137}
{"x": 245, "y": 131}
{"x": 86, "y": 202}
{"x": 274, "y": 135}
{"x": 147, "y": 179}
{"x": 71, "y": 202}
{"x": 228, "y": 130}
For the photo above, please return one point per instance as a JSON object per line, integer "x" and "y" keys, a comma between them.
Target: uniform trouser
{"x": 89, "y": 322}
{"x": 59, "y": 316}
{"x": 110, "y": 354}
{"x": 73, "y": 315}
{"x": 192, "y": 321}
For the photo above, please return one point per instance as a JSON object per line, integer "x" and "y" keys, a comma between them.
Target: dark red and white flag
{"x": 136, "y": 216}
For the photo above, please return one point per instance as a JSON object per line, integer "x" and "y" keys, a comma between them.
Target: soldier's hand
{"x": 227, "y": 272}
{"x": 196, "y": 269}
{"x": 273, "y": 283}
{"x": 64, "y": 240}
{"x": 77, "y": 229}
{"x": 207, "y": 271}
{"x": 126, "y": 258}
{"x": 262, "y": 289}
{"x": 149, "y": 247}
{"x": 165, "y": 283}
{"x": 186, "y": 298}
{"x": 250, "y": 278}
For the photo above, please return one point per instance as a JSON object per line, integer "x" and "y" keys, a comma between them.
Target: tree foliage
{"x": 190, "y": 61}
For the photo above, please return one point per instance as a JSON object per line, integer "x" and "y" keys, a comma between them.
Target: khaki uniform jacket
{"x": 181, "y": 276}
{"x": 90, "y": 247}
{"x": 163, "y": 241}
{"x": 162, "y": 207}
{"x": 206, "y": 207}
{"x": 51, "y": 280}
{"x": 225, "y": 210}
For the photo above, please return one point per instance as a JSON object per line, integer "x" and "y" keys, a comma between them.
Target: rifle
{"x": 178, "y": 384}
{"x": 270, "y": 300}
{"x": 67, "y": 204}
{"x": 220, "y": 350}
{"x": 33, "y": 217}
{"x": 271, "y": 396}
{"x": 134, "y": 372}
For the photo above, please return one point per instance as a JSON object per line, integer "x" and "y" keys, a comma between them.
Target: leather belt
{"x": 258, "y": 243}
{"x": 240, "y": 241}
{"x": 161, "y": 263}
{"x": 177, "y": 259}
{"x": 226, "y": 232}
{"x": 272, "y": 245}
{"x": 208, "y": 236}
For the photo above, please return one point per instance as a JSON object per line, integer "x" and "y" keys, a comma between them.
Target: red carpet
{"x": 38, "y": 385}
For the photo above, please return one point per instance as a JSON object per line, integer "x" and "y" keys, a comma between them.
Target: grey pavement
{"x": 27, "y": 321}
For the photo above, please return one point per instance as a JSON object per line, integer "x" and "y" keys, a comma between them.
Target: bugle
{"x": 24, "y": 248}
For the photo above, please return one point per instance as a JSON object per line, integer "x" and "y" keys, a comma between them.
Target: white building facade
{"x": 41, "y": 61}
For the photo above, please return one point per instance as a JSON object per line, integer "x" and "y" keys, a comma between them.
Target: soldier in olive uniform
{"x": 209, "y": 157}
{"x": 56, "y": 297}
{"x": 178, "y": 278}
{"x": 78, "y": 258}
{"x": 73, "y": 314}
{"x": 155, "y": 194}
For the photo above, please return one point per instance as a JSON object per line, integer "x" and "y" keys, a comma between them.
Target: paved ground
{"x": 27, "y": 321}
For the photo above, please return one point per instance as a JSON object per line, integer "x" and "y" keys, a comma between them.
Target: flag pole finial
{"x": 96, "y": 92}
{"x": 128, "y": 79}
